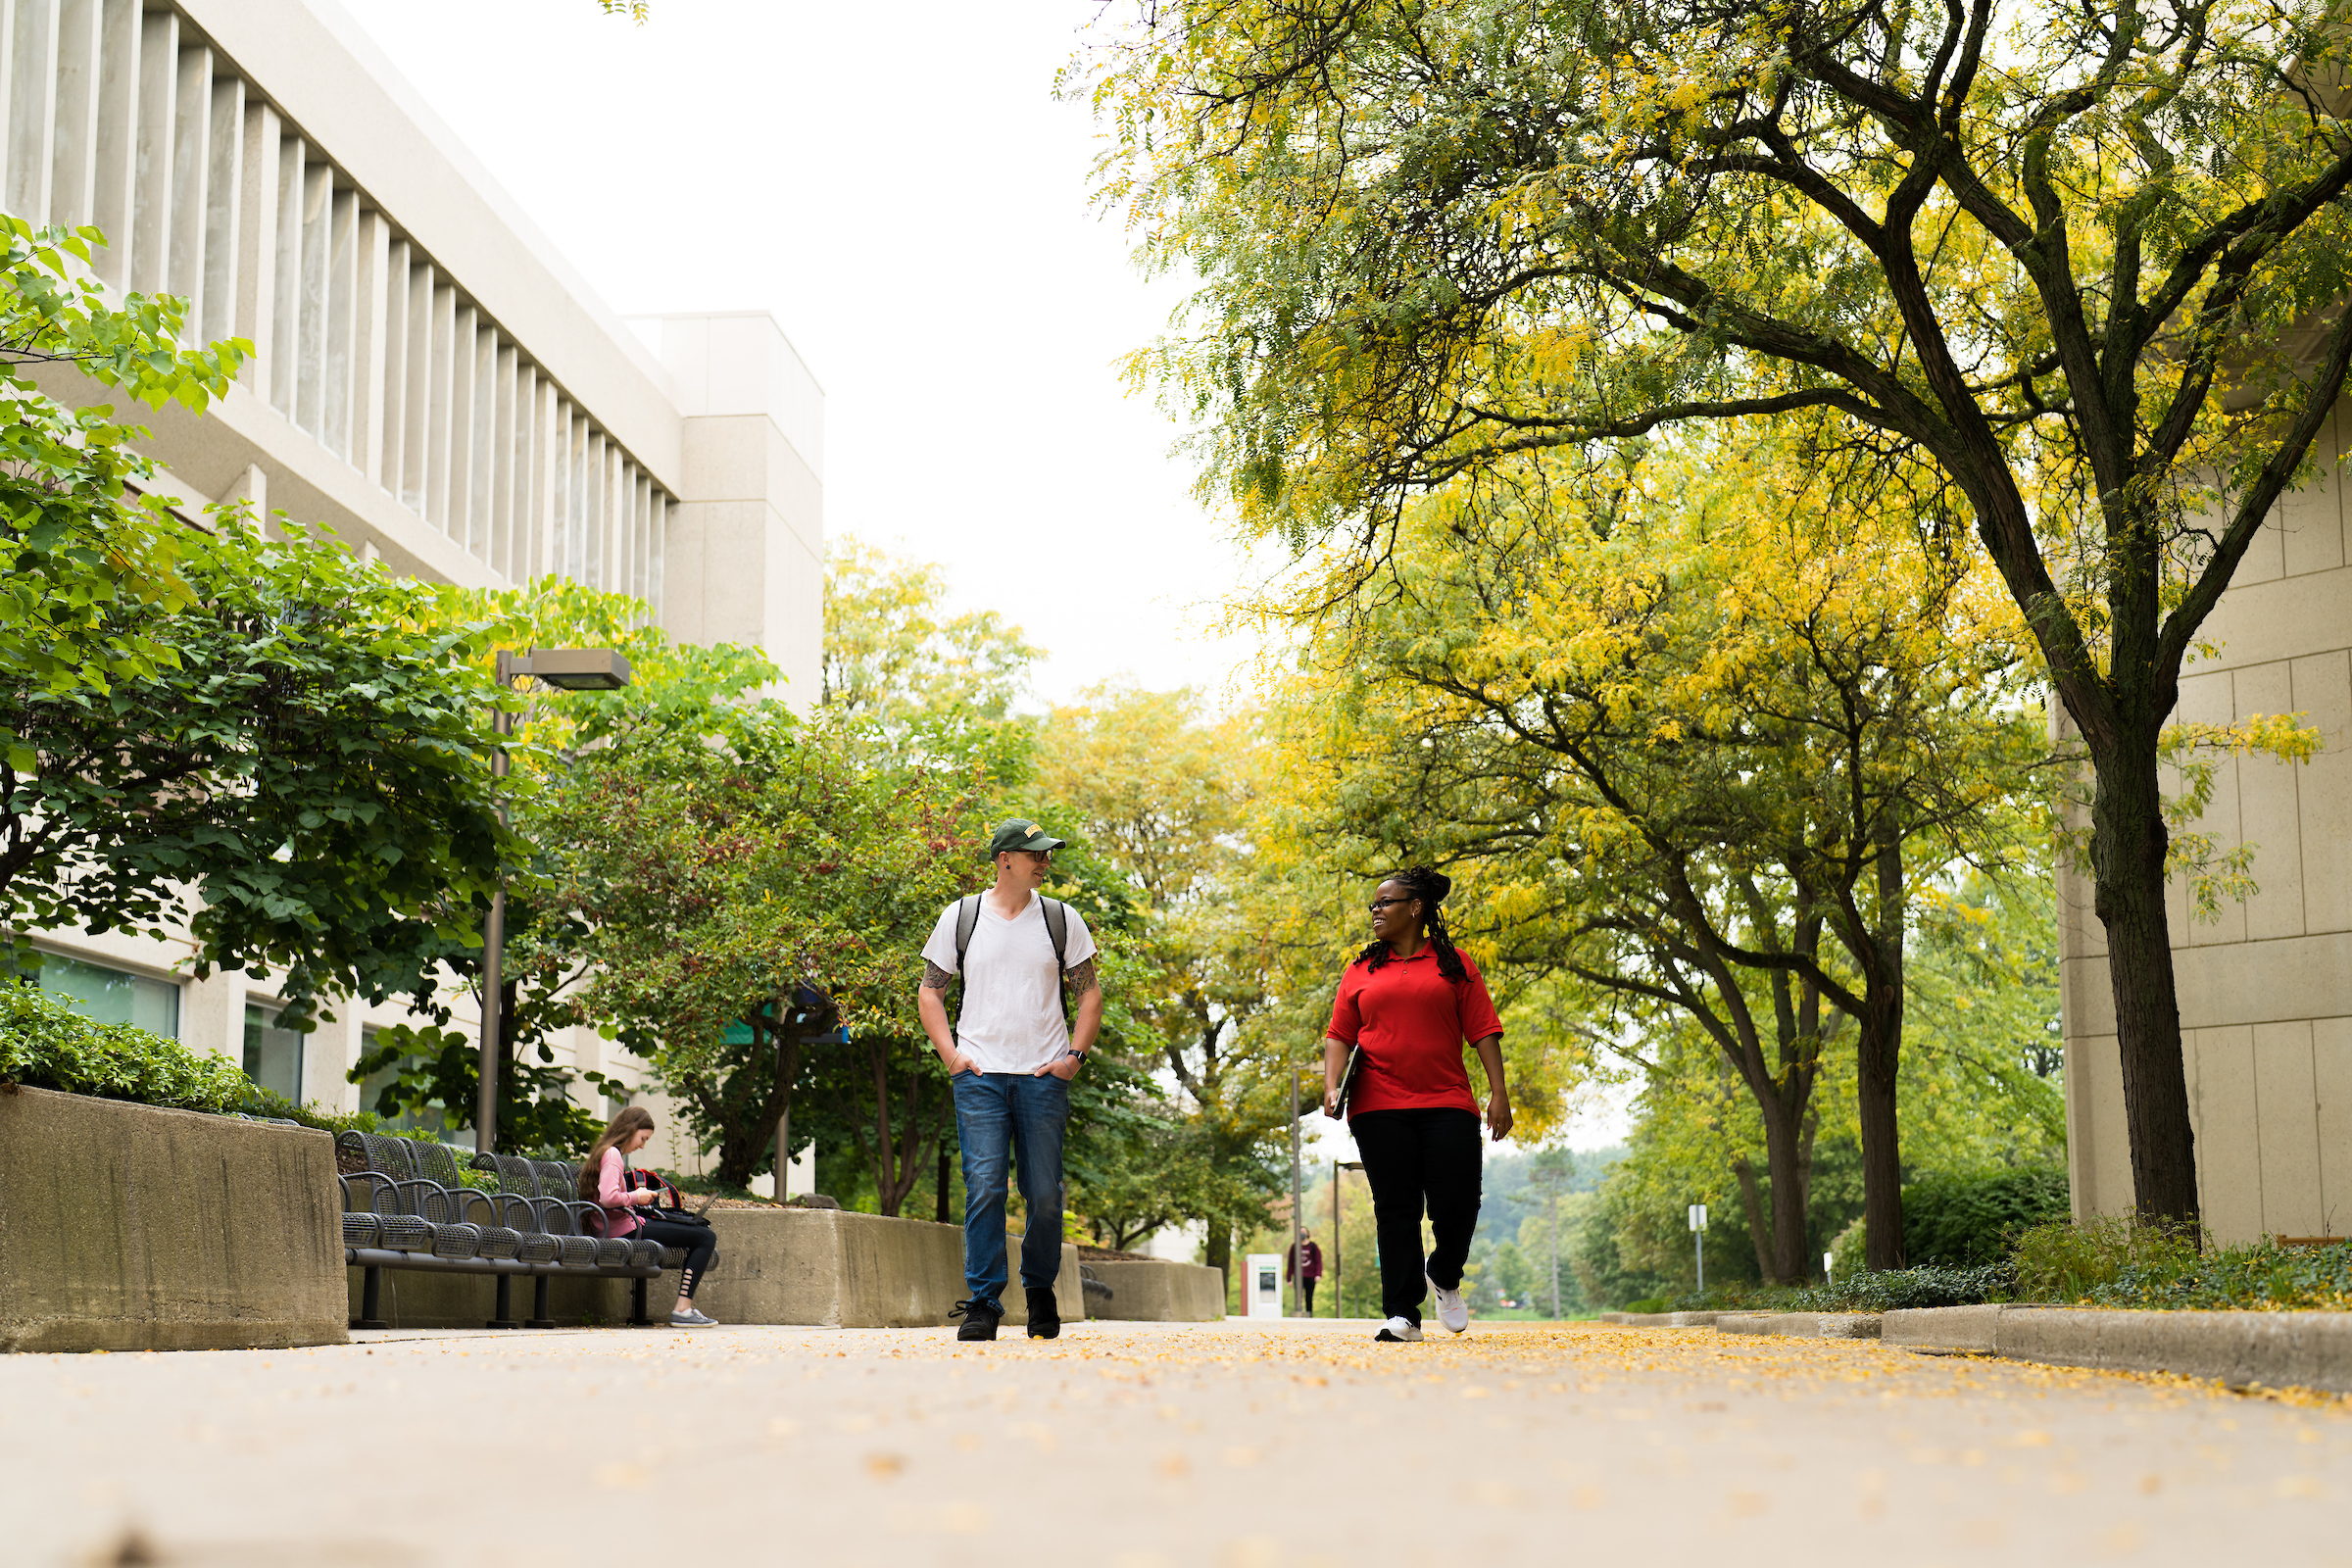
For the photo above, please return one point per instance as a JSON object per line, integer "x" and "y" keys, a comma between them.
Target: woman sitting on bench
{"x": 605, "y": 1180}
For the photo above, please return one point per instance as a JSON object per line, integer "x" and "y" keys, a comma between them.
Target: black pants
{"x": 702, "y": 1248}
{"x": 1414, "y": 1158}
{"x": 1306, "y": 1294}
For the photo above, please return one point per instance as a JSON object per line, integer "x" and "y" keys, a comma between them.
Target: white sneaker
{"x": 1398, "y": 1331}
{"x": 1452, "y": 1310}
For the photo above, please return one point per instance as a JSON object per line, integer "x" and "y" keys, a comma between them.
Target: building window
{"x": 113, "y": 996}
{"x": 272, "y": 1056}
{"x": 433, "y": 1118}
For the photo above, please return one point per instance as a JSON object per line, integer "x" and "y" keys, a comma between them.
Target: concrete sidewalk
{"x": 1135, "y": 1446}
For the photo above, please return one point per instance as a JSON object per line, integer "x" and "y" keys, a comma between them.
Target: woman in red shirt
{"x": 1405, "y": 1007}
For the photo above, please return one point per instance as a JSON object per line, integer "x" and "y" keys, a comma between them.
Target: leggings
{"x": 702, "y": 1250}
{"x": 1424, "y": 1156}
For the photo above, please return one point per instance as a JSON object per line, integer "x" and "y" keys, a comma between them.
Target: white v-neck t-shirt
{"x": 1011, "y": 1018}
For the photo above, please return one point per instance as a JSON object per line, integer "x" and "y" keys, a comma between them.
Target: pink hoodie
{"x": 620, "y": 1214}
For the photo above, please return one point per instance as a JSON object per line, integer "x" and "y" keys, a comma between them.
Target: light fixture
{"x": 572, "y": 669}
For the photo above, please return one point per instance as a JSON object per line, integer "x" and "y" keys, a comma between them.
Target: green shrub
{"x": 48, "y": 1045}
{"x": 2113, "y": 1263}
{"x": 2258, "y": 1276}
{"x": 1649, "y": 1303}
{"x": 1973, "y": 1218}
{"x": 1898, "y": 1290}
{"x": 2062, "y": 1261}
{"x": 1738, "y": 1296}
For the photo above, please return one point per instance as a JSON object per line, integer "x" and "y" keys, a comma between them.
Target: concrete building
{"x": 2266, "y": 993}
{"x": 430, "y": 379}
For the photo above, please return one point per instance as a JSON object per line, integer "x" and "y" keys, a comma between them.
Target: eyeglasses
{"x": 1378, "y": 905}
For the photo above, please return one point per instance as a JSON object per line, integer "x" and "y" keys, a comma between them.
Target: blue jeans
{"x": 1010, "y": 1113}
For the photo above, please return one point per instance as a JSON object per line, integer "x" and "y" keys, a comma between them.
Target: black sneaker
{"x": 1045, "y": 1313}
{"x": 979, "y": 1319}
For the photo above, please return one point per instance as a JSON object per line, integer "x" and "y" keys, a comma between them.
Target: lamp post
{"x": 571, "y": 669}
{"x": 1698, "y": 1242}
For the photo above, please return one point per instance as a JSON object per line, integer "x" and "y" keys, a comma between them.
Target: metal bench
{"x": 551, "y": 1189}
{"x": 410, "y": 1209}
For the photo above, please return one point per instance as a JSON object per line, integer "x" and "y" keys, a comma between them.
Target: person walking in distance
{"x": 1010, "y": 1053}
{"x": 1305, "y": 1270}
{"x": 1404, "y": 1008}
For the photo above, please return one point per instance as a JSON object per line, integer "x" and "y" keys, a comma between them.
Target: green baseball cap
{"x": 1022, "y": 834}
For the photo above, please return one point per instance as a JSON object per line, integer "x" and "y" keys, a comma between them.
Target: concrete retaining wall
{"x": 823, "y": 1268}
{"x": 2276, "y": 1349}
{"x": 127, "y": 1228}
{"x": 1153, "y": 1291}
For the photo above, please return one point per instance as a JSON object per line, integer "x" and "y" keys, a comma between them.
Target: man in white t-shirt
{"x": 1010, "y": 1054}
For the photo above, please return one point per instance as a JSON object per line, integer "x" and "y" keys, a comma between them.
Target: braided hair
{"x": 1430, "y": 887}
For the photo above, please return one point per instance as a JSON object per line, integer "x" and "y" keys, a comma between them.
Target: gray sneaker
{"x": 692, "y": 1319}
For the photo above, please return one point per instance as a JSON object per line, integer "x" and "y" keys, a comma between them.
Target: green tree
{"x": 547, "y": 954}
{"x": 93, "y": 558}
{"x": 1162, "y": 794}
{"x": 731, "y": 873}
{"x": 299, "y": 777}
{"x": 2081, "y": 267}
{"x": 894, "y": 652}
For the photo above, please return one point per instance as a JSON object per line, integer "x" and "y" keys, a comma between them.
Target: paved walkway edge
{"x": 2270, "y": 1349}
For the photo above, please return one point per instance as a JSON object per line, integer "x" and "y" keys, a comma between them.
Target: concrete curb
{"x": 1661, "y": 1320}
{"x": 2270, "y": 1349}
{"x": 1801, "y": 1325}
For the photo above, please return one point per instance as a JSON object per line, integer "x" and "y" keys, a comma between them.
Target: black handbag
{"x": 672, "y": 1213}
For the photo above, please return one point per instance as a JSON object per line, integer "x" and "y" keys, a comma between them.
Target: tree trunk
{"x": 1882, "y": 1146}
{"x": 1878, "y": 1054}
{"x": 1784, "y": 1161}
{"x": 1759, "y": 1227}
{"x": 1219, "y": 1254}
{"x": 2128, "y": 849}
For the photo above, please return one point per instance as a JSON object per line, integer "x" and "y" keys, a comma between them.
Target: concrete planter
{"x": 128, "y": 1228}
{"x": 822, "y": 1267}
{"x": 1157, "y": 1291}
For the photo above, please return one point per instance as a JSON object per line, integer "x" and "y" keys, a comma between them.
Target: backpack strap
{"x": 1058, "y": 927}
{"x": 967, "y": 921}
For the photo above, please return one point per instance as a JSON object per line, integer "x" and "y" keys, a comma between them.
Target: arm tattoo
{"x": 1080, "y": 978}
{"x": 935, "y": 978}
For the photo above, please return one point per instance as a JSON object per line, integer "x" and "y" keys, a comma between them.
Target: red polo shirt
{"x": 1412, "y": 1023}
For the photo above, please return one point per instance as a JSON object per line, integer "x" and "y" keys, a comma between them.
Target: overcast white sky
{"x": 899, "y": 185}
